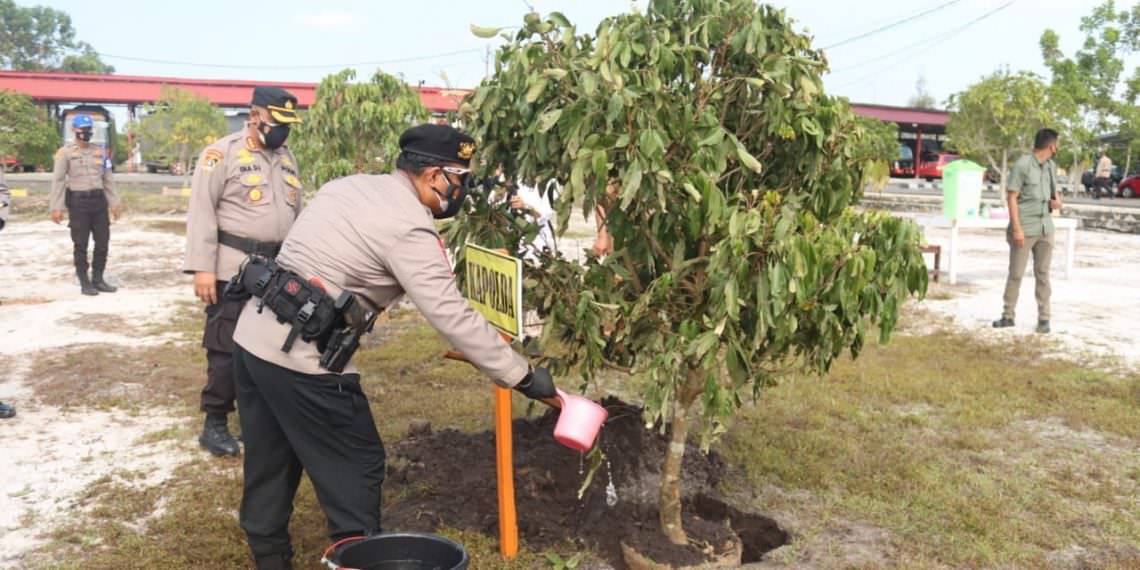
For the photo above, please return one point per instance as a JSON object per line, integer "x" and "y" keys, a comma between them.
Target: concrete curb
{"x": 1094, "y": 217}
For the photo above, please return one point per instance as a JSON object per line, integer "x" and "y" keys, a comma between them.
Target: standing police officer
{"x": 365, "y": 241}
{"x": 244, "y": 196}
{"x": 82, "y": 183}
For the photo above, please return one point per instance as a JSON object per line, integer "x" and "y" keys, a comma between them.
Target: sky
{"x": 429, "y": 40}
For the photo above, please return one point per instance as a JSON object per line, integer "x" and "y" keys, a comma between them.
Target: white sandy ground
{"x": 51, "y": 455}
{"x": 1095, "y": 312}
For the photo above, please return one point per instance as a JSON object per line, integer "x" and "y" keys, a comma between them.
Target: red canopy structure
{"x": 53, "y": 87}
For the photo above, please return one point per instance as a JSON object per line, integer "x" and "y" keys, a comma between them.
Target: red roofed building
{"x": 922, "y": 131}
{"x": 52, "y": 87}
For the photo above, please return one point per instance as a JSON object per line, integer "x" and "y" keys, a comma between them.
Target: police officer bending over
{"x": 245, "y": 194}
{"x": 363, "y": 242}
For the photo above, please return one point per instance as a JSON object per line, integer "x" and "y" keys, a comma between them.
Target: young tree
{"x": 355, "y": 127}
{"x": 737, "y": 257}
{"x": 26, "y": 131}
{"x": 998, "y": 116}
{"x": 921, "y": 98}
{"x": 178, "y": 126}
{"x": 40, "y": 38}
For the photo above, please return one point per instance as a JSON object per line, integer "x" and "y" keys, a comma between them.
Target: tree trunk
{"x": 669, "y": 501}
{"x": 1004, "y": 169}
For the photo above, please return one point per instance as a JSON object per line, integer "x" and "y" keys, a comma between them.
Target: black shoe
{"x": 1003, "y": 323}
{"x": 274, "y": 562}
{"x": 85, "y": 285}
{"x": 1043, "y": 327}
{"x": 7, "y": 411}
{"x": 216, "y": 437}
{"x": 100, "y": 285}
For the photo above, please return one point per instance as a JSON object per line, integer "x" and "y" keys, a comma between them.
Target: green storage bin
{"x": 962, "y": 189}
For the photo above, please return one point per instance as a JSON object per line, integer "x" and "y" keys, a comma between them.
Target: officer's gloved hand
{"x": 537, "y": 384}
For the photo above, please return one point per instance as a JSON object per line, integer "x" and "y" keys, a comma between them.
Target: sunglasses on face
{"x": 463, "y": 173}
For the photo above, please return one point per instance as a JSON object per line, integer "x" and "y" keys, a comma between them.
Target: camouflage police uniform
{"x": 244, "y": 198}
{"x": 83, "y": 185}
{"x": 372, "y": 236}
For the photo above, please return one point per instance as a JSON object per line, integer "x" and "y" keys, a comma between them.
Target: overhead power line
{"x": 935, "y": 42}
{"x": 279, "y": 66}
{"x": 892, "y": 25}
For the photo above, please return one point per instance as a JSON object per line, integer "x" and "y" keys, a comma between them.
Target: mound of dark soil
{"x": 448, "y": 479}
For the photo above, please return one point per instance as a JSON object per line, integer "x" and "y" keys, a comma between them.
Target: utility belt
{"x": 70, "y": 194}
{"x": 249, "y": 246}
{"x": 333, "y": 325}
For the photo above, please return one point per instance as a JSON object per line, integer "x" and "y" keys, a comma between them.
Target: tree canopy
{"x": 26, "y": 131}
{"x": 178, "y": 126}
{"x": 39, "y": 38}
{"x": 738, "y": 257}
{"x": 998, "y": 116}
{"x": 355, "y": 127}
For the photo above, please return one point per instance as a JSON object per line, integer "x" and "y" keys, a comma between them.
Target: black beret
{"x": 282, "y": 104}
{"x": 439, "y": 142}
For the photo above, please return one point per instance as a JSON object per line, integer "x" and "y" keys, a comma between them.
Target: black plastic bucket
{"x": 398, "y": 551}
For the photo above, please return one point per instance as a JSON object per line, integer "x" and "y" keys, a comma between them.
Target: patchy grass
{"x": 106, "y": 323}
{"x": 966, "y": 454}
{"x": 134, "y": 201}
{"x": 176, "y": 227}
{"x": 936, "y": 451}
{"x": 131, "y": 378}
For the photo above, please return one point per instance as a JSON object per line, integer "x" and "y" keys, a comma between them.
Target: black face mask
{"x": 273, "y": 136}
{"x": 83, "y": 135}
{"x": 455, "y": 196}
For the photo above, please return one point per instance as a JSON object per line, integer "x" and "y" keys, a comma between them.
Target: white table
{"x": 1069, "y": 224}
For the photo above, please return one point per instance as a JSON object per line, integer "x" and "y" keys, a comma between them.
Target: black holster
{"x": 333, "y": 325}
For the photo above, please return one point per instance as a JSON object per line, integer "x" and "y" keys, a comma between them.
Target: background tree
{"x": 921, "y": 98}
{"x": 878, "y": 147}
{"x": 354, "y": 127}
{"x": 26, "y": 130}
{"x": 737, "y": 257}
{"x": 998, "y": 116}
{"x": 1089, "y": 87}
{"x": 178, "y": 126}
{"x": 38, "y": 38}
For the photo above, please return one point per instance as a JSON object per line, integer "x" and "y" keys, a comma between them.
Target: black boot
{"x": 1003, "y": 323}
{"x": 7, "y": 411}
{"x": 85, "y": 285}
{"x": 216, "y": 436}
{"x": 274, "y": 562}
{"x": 99, "y": 284}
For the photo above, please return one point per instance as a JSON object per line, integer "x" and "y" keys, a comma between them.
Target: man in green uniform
{"x": 1032, "y": 195}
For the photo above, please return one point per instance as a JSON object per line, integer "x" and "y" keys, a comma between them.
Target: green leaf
{"x": 548, "y": 120}
{"x": 482, "y": 32}
{"x": 715, "y": 138}
{"x": 555, "y": 73}
{"x": 536, "y": 90}
{"x": 589, "y": 83}
{"x": 746, "y": 157}
{"x": 614, "y": 109}
{"x": 630, "y": 185}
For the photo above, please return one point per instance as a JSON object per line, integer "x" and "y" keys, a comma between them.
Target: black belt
{"x": 249, "y": 246}
{"x": 86, "y": 193}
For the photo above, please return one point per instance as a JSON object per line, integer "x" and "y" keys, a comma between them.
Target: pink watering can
{"x": 579, "y": 421}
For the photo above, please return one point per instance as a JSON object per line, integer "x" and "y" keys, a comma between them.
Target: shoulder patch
{"x": 211, "y": 158}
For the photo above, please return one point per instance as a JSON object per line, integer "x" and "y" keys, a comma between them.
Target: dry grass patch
{"x": 967, "y": 454}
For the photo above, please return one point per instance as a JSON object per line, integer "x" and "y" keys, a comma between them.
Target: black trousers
{"x": 320, "y": 424}
{"x": 88, "y": 217}
{"x": 218, "y": 340}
